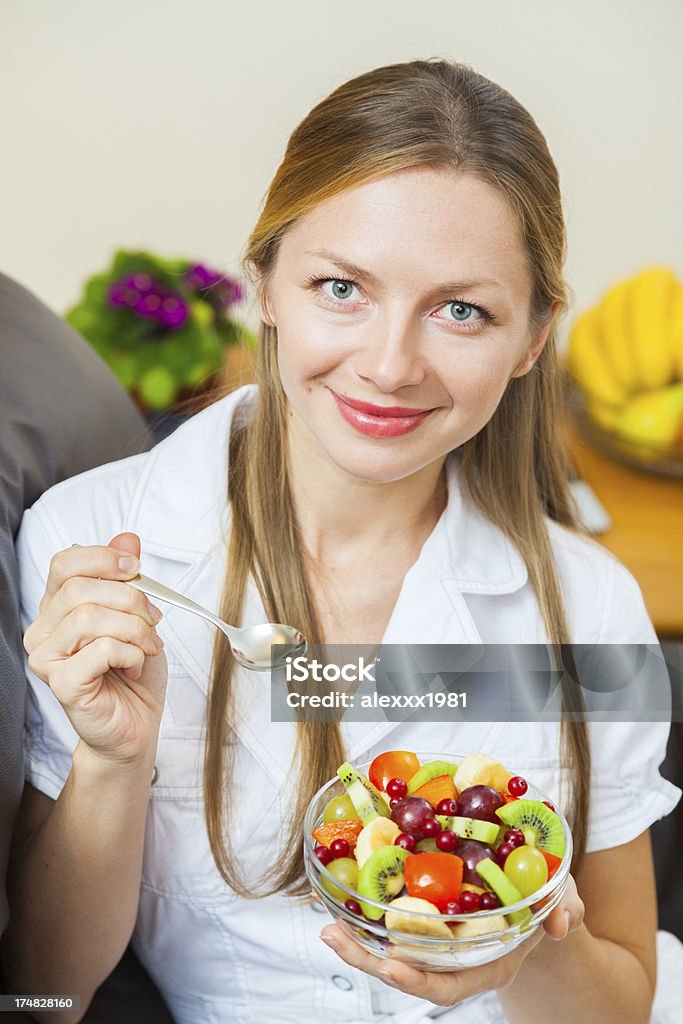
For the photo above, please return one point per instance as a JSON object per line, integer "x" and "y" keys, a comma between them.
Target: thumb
{"x": 127, "y": 542}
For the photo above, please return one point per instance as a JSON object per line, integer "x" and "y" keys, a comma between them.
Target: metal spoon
{"x": 249, "y": 644}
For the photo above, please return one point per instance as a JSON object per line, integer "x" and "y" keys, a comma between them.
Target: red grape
{"x": 411, "y": 813}
{"x": 470, "y": 901}
{"x": 489, "y": 901}
{"x": 340, "y": 848}
{"x": 449, "y": 807}
{"x": 431, "y": 828}
{"x": 504, "y": 851}
{"x": 447, "y": 841}
{"x": 354, "y": 907}
{"x": 470, "y": 853}
{"x": 453, "y": 908}
{"x": 396, "y": 788}
{"x": 517, "y": 786}
{"x": 323, "y": 854}
{"x": 550, "y": 806}
{"x": 407, "y": 841}
{"x": 514, "y": 836}
{"x": 480, "y": 802}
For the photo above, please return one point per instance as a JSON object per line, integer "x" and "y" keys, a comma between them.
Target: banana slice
{"x": 422, "y": 925}
{"x": 480, "y": 770}
{"x": 377, "y": 833}
{"x": 479, "y": 926}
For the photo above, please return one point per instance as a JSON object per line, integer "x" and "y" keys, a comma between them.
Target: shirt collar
{"x": 180, "y": 508}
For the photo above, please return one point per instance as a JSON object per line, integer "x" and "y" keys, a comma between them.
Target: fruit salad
{"x": 439, "y": 840}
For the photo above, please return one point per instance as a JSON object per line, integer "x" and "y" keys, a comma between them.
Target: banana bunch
{"x": 626, "y": 354}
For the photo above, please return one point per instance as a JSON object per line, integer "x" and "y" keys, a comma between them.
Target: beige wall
{"x": 158, "y": 123}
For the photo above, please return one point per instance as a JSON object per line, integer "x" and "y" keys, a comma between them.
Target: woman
{"x": 399, "y": 452}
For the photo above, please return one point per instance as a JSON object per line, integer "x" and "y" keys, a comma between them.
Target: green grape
{"x": 527, "y": 869}
{"x": 339, "y": 808}
{"x": 345, "y": 870}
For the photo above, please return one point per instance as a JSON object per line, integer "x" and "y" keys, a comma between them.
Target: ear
{"x": 262, "y": 296}
{"x": 537, "y": 346}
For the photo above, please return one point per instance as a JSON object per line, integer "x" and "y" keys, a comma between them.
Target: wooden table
{"x": 646, "y": 532}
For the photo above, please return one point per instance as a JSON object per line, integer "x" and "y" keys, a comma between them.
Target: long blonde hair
{"x": 440, "y": 114}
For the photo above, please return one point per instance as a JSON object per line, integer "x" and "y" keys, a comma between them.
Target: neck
{"x": 343, "y": 517}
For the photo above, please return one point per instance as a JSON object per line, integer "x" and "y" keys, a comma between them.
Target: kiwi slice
{"x": 367, "y": 800}
{"x": 506, "y": 892}
{"x": 381, "y": 878}
{"x": 428, "y": 771}
{"x": 470, "y": 828}
{"x": 537, "y": 822}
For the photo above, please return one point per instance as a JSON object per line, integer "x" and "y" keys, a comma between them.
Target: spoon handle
{"x": 154, "y": 589}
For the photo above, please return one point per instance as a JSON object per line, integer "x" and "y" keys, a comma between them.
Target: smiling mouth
{"x": 381, "y": 411}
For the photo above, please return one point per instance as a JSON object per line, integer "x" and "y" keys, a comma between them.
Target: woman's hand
{"x": 447, "y": 989}
{"x": 95, "y": 645}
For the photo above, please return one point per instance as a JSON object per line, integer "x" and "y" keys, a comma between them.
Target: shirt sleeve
{"x": 628, "y": 792}
{"x": 49, "y": 737}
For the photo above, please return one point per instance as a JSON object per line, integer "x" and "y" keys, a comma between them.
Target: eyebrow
{"x": 355, "y": 271}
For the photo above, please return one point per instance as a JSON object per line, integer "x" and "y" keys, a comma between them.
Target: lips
{"x": 377, "y": 420}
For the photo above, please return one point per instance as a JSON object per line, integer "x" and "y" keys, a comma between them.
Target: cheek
{"x": 304, "y": 352}
{"x": 475, "y": 380}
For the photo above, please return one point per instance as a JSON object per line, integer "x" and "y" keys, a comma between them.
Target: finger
{"x": 567, "y": 915}
{"x": 94, "y": 560}
{"x": 80, "y": 590}
{"x": 71, "y": 679}
{"x": 351, "y": 952}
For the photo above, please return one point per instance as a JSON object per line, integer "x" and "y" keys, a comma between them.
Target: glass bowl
{"x": 426, "y": 952}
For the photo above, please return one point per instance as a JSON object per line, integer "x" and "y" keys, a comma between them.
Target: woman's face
{"x": 436, "y": 321}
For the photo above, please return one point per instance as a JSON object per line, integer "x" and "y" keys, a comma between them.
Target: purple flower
{"x": 221, "y": 291}
{"x": 174, "y": 312}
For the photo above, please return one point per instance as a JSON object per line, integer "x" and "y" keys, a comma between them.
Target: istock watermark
{"x": 301, "y": 670}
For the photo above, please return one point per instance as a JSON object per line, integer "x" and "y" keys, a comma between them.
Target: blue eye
{"x": 461, "y": 310}
{"x": 343, "y": 286}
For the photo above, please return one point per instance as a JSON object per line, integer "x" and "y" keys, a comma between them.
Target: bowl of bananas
{"x": 624, "y": 376}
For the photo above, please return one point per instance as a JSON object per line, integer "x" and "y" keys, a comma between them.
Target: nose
{"x": 390, "y": 358}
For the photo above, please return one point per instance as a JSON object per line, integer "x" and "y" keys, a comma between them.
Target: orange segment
{"x": 348, "y": 829}
{"x": 440, "y": 788}
{"x": 553, "y": 862}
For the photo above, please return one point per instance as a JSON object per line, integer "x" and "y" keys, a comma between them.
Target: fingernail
{"x": 387, "y": 977}
{"x": 157, "y": 640}
{"x": 129, "y": 564}
{"x": 332, "y": 943}
{"x": 154, "y": 613}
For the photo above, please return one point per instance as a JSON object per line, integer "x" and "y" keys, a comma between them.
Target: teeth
{"x": 377, "y": 833}
{"x": 413, "y": 925}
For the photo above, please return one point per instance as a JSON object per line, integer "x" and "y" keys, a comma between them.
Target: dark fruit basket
{"x": 425, "y": 952}
{"x": 641, "y": 457}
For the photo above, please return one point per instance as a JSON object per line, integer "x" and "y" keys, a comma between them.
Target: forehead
{"x": 423, "y": 220}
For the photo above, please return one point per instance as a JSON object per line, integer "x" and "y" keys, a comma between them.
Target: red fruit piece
{"x": 437, "y": 789}
{"x": 517, "y": 786}
{"x": 470, "y": 901}
{"x": 348, "y": 829}
{"x": 340, "y": 848}
{"x": 397, "y": 788}
{"x": 436, "y": 877}
{"x": 553, "y": 862}
{"x": 393, "y": 764}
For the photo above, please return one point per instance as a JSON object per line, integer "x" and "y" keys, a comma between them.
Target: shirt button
{"x": 341, "y": 982}
{"x": 155, "y": 775}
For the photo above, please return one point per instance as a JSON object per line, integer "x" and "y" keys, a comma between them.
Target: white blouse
{"x": 215, "y": 956}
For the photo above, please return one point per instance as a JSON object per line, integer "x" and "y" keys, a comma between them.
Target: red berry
{"x": 447, "y": 841}
{"x": 488, "y": 901}
{"x": 323, "y": 854}
{"x": 448, "y": 806}
{"x": 431, "y": 828}
{"x": 394, "y": 803}
{"x": 396, "y": 788}
{"x": 517, "y": 786}
{"x": 407, "y": 841}
{"x": 503, "y": 852}
{"x": 340, "y": 848}
{"x": 453, "y": 908}
{"x": 354, "y": 907}
{"x": 514, "y": 836}
{"x": 550, "y": 806}
{"x": 470, "y": 901}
